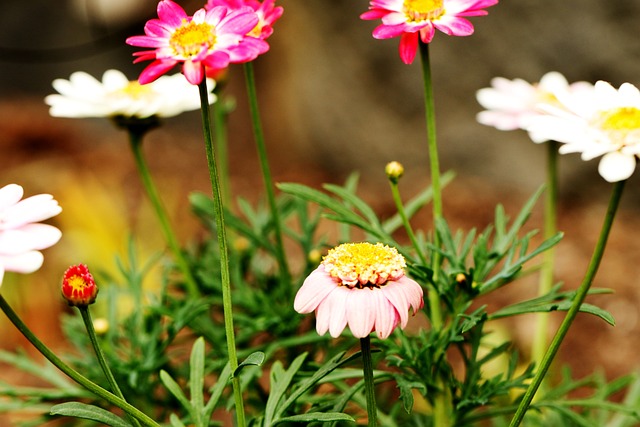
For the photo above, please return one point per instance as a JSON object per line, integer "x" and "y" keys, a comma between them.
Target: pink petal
{"x": 28, "y": 238}
{"x": 387, "y": 317}
{"x": 454, "y": 26}
{"x": 313, "y": 291}
{"x": 10, "y": 195}
{"x": 331, "y": 314}
{"x": 388, "y": 31}
{"x": 239, "y": 22}
{"x": 398, "y": 298}
{"x": 361, "y": 311}
{"x": 27, "y": 262}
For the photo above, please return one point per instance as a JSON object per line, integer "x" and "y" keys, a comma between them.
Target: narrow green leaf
{"x": 175, "y": 390}
{"x": 254, "y": 359}
{"x": 175, "y": 421}
{"x": 315, "y": 417}
{"x": 88, "y": 412}
{"x": 216, "y": 391}
{"x": 280, "y": 380}
{"x": 196, "y": 378}
{"x": 350, "y": 198}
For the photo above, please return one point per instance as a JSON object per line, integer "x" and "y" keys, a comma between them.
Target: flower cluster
{"x": 21, "y": 235}
{"x": 362, "y": 285}
{"x": 417, "y": 20}
{"x": 211, "y": 39}
{"x": 85, "y": 96}
{"x": 594, "y": 120}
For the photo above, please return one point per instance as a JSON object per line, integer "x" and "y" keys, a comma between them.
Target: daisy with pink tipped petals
{"x": 415, "y": 20}
{"x": 21, "y": 237}
{"x": 211, "y": 38}
{"x": 361, "y": 285}
{"x": 511, "y": 104}
{"x": 267, "y": 12}
{"x": 606, "y": 123}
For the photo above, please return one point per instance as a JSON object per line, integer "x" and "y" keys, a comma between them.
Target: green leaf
{"x": 88, "y": 412}
{"x": 175, "y": 390}
{"x": 316, "y": 416}
{"x": 280, "y": 380}
{"x": 216, "y": 391}
{"x": 254, "y": 359}
{"x": 196, "y": 378}
{"x": 175, "y": 421}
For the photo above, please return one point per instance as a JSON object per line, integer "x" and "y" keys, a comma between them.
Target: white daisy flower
{"x": 84, "y": 96}
{"x": 605, "y": 123}
{"x": 510, "y": 104}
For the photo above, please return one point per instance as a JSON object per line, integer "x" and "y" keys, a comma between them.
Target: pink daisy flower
{"x": 21, "y": 237}
{"x": 266, "y": 10}
{"x": 418, "y": 19}
{"x": 211, "y": 38}
{"x": 361, "y": 285}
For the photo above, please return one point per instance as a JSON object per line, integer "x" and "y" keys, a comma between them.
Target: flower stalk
{"x": 224, "y": 252}
{"x": 367, "y": 369}
{"x": 550, "y": 230}
{"x": 264, "y": 166}
{"x": 115, "y": 389}
{"x": 135, "y": 139}
{"x": 72, "y": 373}
{"x": 442, "y": 402}
{"x": 578, "y": 299}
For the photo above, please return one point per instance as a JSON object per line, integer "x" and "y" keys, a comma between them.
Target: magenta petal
{"x": 361, "y": 312}
{"x": 455, "y": 26}
{"x": 171, "y": 13}
{"x": 408, "y": 47}
{"x": 388, "y": 31}
{"x": 239, "y": 22}
{"x": 193, "y": 71}
{"x": 143, "y": 41}
{"x": 155, "y": 70}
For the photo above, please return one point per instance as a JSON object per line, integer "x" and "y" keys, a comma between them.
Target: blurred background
{"x": 333, "y": 101}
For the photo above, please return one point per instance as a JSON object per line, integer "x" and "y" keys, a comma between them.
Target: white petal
{"x": 616, "y": 166}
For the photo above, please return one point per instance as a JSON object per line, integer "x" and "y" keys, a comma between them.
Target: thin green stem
{"x": 434, "y": 297}
{"x": 395, "y": 191}
{"x": 224, "y": 252}
{"x": 578, "y": 299}
{"x": 135, "y": 139}
{"x": 550, "y": 229}
{"x": 266, "y": 172}
{"x": 115, "y": 389}
{"x": 70, "y": 372}
{"x": 367, "y": 369}
{"x": 442, "y": 402}
{"x": 222, "y": 145}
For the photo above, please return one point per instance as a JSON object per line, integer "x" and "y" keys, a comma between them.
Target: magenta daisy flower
{"x": 266, "y": 10}
{"x": 210, "y": 38}
{"x": 412, "y": 20}
{"x": 361, "y": 285}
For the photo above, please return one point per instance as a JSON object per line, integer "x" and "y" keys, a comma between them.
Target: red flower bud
{"x": 78, "y": 286}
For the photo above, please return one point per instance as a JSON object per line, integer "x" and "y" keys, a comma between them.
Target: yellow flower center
{"x": 364, "y": 264}
{"x": 78, "y": 284}
{"x": 134, "y": 90}
{"x": 190, "y": 38}
{"x": 622, "y": 125}
{"x": 423, "y": 10}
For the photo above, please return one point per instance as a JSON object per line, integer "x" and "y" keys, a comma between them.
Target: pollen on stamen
{"x": 423, "y": 10}
{"x": 364, "y": 264}
{"x": 191, "y": 39}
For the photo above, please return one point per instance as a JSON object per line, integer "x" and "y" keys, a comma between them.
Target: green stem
{"x": 266, "y": 172}
{"x": 550, "y": 229}
{"x": 115, "y": 389}
{"x": 578, "y": 299}
{"x": 224, "y": 252}
{"x": 395, "y": 191}
{"x": 367, "y": 369}
{"x": 222, "y": 146}
{"x": 135, "y": 139}
{"x": 70, "y": 372}
{"x": 442, "y": 402}
{"x": 434, "y": 297}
